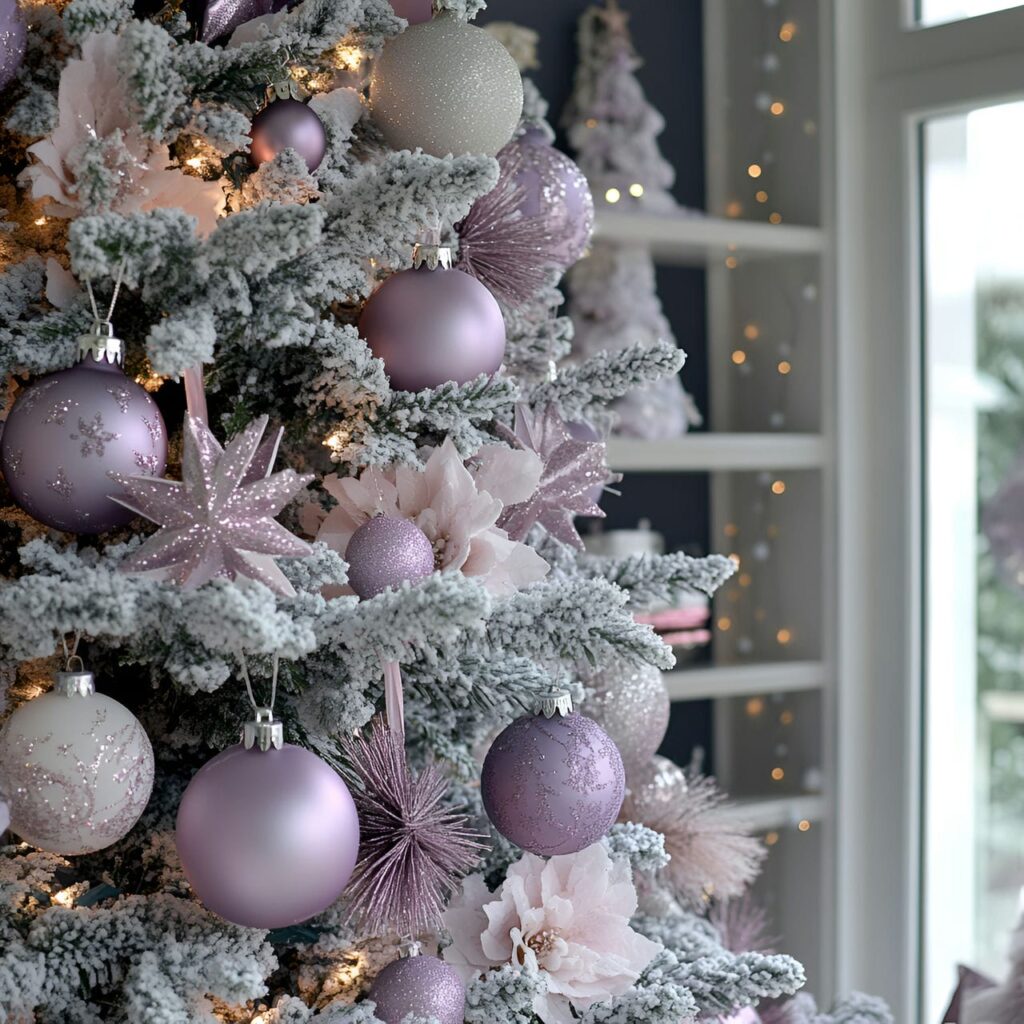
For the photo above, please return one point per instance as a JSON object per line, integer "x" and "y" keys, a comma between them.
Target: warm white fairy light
{"x": 613, "y": 195}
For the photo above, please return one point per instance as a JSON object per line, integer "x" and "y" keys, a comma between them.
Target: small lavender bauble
{"x": 5, "y": 814}
{"x": 77, "y": 768}
{"x": 414, "y": 11}
{"x": 433, "y": 326}
{"x": 69, "y": 430}
{"x": 556, "y": 190}
{"x": 553, "y": 785}
{"x": 632, "y": 705}
{"x": 267, "y": 838}
{"x": 446, "y": 87}
{"x": 422, "y": 986}
{"x": 288, "y": 124}
{"x": 13, "y": 40}
{"x": 386, "y": 552}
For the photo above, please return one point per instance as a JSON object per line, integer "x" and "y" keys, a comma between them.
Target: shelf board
{"x": 764, "y": 814}
{"x": 687, "y": 240}
{"x": 745, "y": 680}
{"x": 709, "y": 452}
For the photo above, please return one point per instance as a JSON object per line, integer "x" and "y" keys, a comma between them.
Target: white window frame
{"x": 888, "y": 77}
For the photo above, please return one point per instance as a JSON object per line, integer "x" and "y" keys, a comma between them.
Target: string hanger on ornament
{"x": 101, "y": 342}
{"x": 262, "y": 731}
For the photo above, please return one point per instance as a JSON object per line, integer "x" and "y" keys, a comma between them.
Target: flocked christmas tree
{"x": 613, "y": 297}
{"x": 321, "y": 498}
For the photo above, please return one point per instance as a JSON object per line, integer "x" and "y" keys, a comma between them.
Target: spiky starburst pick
{"x": 712, "y": 852}
{"x": 413, "y": 848}
{"x": 572, "y": 471}
{"x": 219, "y": 521}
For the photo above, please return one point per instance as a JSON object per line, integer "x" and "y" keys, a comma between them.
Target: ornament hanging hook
{"x": 118, "y": 281}
{"x": 72, "y": 654}
{"x": 262, "y": 731}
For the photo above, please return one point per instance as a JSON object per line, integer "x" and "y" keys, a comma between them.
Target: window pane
{"x": 974, "y": 685}
{"x": 935, "y": 12}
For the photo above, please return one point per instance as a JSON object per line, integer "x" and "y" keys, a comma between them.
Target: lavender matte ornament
{"x": 218, "y": 522}
{"x": 267, "y": 838}
{"x": 70, "y": 431}
{"x": 422, "y": 986}
{"x": 553, "y": 785}
{"x": 13, "y": 40}
{"x": 5, "y": 814}
{"x": 571, "y": 471}
{"x": 432, "y": 326}
{"x": 288, "y": 124}
{"x": 387, "y": 552}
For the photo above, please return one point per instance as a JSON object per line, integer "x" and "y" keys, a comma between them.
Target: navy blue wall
{"x": 668, "y": 35}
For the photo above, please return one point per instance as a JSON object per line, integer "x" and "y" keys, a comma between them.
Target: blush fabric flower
{"x": 97, "y": 160}
{"x": 567, "y": 916}
{"x": 455, "y": 505}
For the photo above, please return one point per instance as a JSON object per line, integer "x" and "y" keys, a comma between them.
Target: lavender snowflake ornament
{"x": 219, "y": 521}
{"x": 70, "y": 430}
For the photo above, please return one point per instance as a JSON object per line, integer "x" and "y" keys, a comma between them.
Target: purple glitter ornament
{"x": 288, "y": 124}
{"x": 554, "y": 189}
{"x": 13, "y": 39}
{"x": 422, "y": 986}
{"x": 414, "y": 11}
{"x": 70, "y": 430}
{"x": 268, "y": 838}
{"x": 553, "y": 785}
{"x": 583, "y": 431}
{"x": 385, "y": 552}
{"x": 434, "y": 326}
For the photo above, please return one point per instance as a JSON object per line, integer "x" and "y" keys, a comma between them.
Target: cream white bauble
{"x": 77, "y": 768}
{"x": 446, "y": 87}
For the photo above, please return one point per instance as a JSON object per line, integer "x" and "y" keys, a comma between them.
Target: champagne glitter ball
{"x": 553, "y": 785}
{"x": 633, "y": 707}
{"x": 78, "y": 771}
{"x": 422, "y": 986}
{"x": 386, "y": 552}
{"x": 446, "y": 87}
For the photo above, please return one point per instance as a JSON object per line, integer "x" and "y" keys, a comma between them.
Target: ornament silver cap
{"x": 263, "y": 731}
{"x": 101, "y": 345}
{"x": 555, "y": 702}
{"x": 74, "y": 682}
{"x": 432, "y": 256}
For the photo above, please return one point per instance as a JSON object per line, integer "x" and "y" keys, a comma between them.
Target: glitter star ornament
{"x": 572, "y": 468}
{"x": 219, "y": 521}
{"x": 77, "y": 767}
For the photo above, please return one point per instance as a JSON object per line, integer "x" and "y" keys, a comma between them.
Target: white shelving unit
{"x": 688, "y": 239}
{"x": 770, "y": 453}
{"x": 707, "y": 453}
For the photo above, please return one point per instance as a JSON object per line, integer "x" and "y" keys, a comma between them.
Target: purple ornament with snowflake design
{"x": 70, "y": 430}
{"x": 553, "y": 785}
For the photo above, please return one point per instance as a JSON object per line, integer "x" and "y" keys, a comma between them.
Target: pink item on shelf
{"x": 688, "y": 638}
{"x": 675, "y": 618}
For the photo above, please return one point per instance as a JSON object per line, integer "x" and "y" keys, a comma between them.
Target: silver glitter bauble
{"x": 77, "y": 767}
{"x": 632, "y": 706}
{"x": 446, "y": 87}
{"x": 658, "y": 782}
